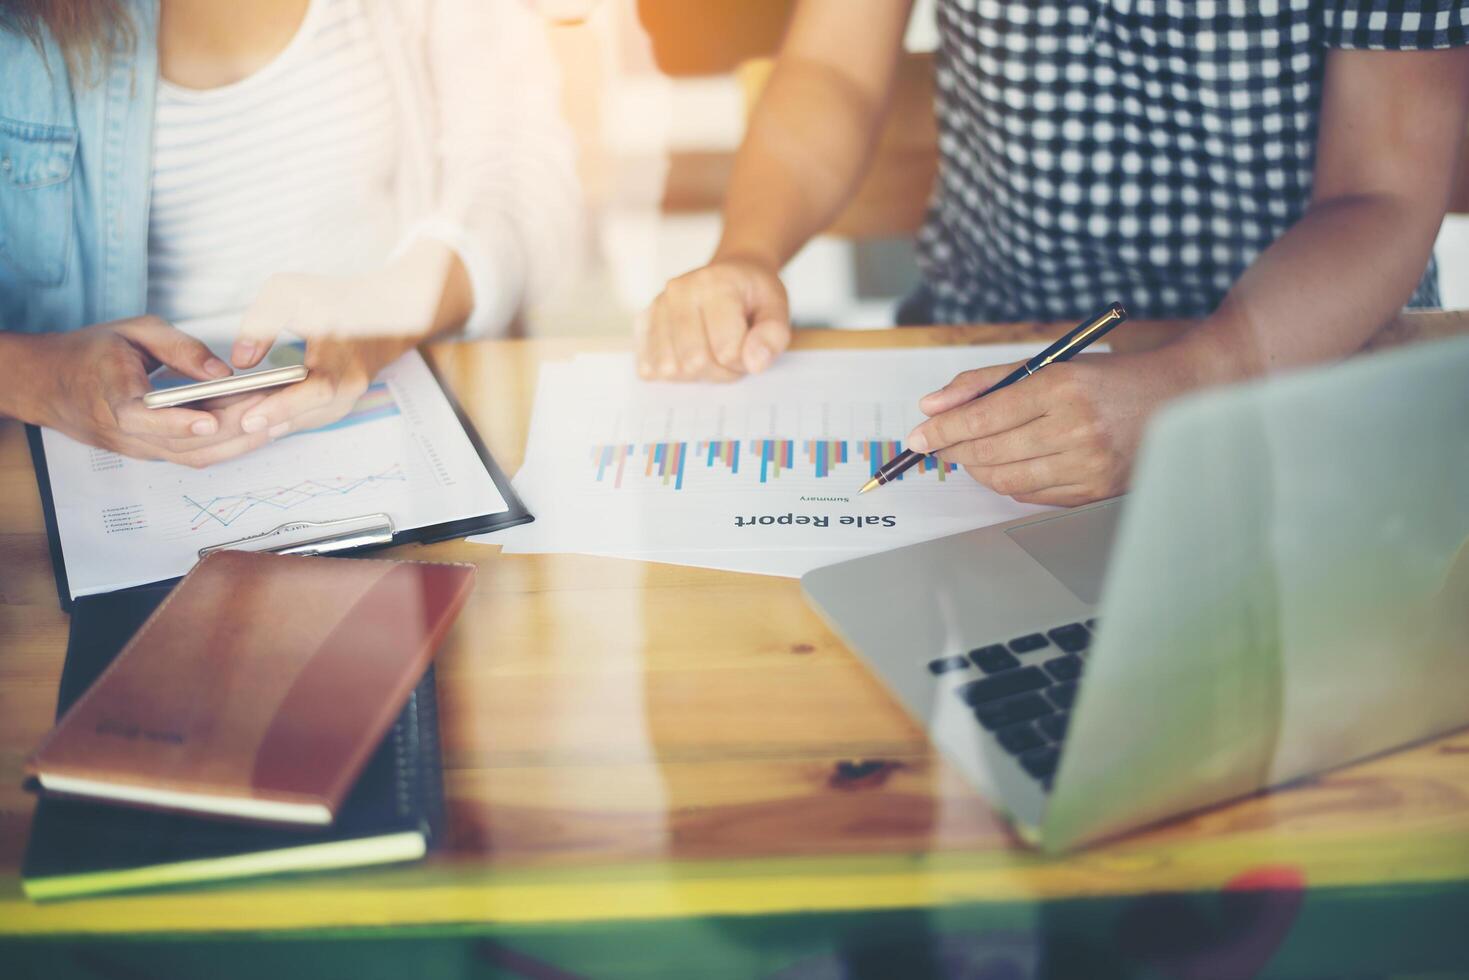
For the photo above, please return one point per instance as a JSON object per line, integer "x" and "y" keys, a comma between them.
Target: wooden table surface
{"x": 638, "y": 741}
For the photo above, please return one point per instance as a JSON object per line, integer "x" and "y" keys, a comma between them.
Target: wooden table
{"x": 645, "y": 765}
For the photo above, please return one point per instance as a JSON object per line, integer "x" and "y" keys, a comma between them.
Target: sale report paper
{"x": 759, "y": 475}
{"x": 400, "y": 451}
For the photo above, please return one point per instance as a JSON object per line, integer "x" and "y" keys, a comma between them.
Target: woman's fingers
{"x": 274, "y": 310}
{"x": 277, "y": 413}
{"x": 249, "y": 350}
{"x": 220, "y": 451}
{"x": 194, "y": 452}
{"x": 168, "y": 436}
{"x": 121, "y": 383}
{"x": 136, "y": 419}
{"x": 168, "y": 345}
{"x": 231, "y": 412}
{"x": 332, "y": 411}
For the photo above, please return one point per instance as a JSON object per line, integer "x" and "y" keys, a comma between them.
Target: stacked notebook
{"x": 194, "y": 747}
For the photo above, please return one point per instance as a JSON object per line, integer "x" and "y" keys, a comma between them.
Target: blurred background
{"x": 658, "y": 91}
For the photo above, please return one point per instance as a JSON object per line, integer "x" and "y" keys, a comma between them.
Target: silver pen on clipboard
{"x": 314, "y": 537}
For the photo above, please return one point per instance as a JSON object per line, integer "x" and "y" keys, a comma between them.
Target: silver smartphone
{"x": 282, "y": 366}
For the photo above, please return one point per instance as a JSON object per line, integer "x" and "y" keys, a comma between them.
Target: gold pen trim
{"x": 1082, "y": 336}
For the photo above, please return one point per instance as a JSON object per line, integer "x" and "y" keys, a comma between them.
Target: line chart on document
{"x": 225, "y": 510}
{"x": 303, "y": 476}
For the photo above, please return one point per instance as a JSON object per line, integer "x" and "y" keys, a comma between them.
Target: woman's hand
{"x": 1065, "y": 436}
{"x": 354, "y": 326}
{"x": 340, "y": 371}
{"x": 90, "y": 384}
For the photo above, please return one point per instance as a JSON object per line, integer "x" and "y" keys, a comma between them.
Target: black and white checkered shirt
{"x": 1135, "y": 150}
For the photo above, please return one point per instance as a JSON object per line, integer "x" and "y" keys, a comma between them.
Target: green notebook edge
{"x": 360, "y": 852}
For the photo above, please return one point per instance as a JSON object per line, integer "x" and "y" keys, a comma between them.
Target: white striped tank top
{"x": 288, "y": 170}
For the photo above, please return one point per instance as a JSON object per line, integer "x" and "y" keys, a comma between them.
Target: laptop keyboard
{"x": 1023, "y": 691}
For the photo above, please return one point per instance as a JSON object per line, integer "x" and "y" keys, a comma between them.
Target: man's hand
{"x": 716, "y": 323}
{"x": 807, "y": 143}
{"x": 90, "y": 384}
{"x": 1065, "y": 436}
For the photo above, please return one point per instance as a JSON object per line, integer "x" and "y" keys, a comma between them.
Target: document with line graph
{"x": 400, "y": 451}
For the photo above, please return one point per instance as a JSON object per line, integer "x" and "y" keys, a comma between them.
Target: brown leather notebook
{"x": 259, "y": 688}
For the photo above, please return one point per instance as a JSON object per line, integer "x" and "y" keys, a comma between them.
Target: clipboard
{"x": 345, "y": 537}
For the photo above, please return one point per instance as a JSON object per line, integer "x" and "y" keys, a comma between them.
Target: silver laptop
{"x": 1285, "y": 589}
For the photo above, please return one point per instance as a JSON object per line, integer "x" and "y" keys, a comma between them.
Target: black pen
{"x": 1064, "y": 349}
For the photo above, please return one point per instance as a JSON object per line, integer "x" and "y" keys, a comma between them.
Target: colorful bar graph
{"x": 726, "y": 451}
{"x": 665, "y": 460}
{"x": 878, "y": 453}
{"x": 775, "y": 455}
{"x": 826, "y": 453}
{"x": 607, "y": 457}
{"x": 665, "y": 463}
{"x": 931, "y": 464}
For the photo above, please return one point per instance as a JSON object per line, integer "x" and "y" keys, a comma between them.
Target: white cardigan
{"x": 489, "y": 163}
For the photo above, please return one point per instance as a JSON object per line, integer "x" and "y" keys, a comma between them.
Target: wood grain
{"x": 638, "y": 740}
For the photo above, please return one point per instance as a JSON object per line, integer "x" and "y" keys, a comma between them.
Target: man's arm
{"x": 812, "y": 133}
{"x": 1391, "y": 138}
{"x": 809, "y": 141}
{"x": 1416, "y": 326}
{"x": 1391, "y": 135}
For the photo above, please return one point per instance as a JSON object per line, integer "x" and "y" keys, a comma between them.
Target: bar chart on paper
{"x": 715, "y": 463}
{"x": 852, "y": 440}
{"x": 766, "y": 466}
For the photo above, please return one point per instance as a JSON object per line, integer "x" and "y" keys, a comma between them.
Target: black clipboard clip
{"x": 314, "y": 537}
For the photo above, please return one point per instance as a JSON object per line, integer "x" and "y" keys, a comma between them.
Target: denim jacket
{"x": 74, "y": 183}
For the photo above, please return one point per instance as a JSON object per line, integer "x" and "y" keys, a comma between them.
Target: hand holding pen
{"x": 1064, "y": 349}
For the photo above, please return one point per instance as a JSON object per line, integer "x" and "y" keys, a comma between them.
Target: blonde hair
{"x": 87, "y": 31}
